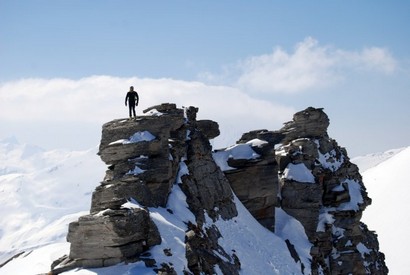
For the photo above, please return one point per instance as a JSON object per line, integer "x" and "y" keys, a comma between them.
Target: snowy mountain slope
{"x": 387, "y": 181}
{"x": 15, "y": 157}
{"x": 261, "y": 251}
{"x": 41, "y": 192}
{"x": 371, "y": 160}
{"x": 42, "y": 196}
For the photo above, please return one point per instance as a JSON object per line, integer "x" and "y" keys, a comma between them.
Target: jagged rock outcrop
{"x": 144, "y": 158}
{"x": 298, "y": 170}
{"x": 304, "y": 172}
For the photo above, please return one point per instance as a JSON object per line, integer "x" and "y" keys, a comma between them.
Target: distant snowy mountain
{"x": 42, "y": 191}
{"x": 371, "y": 160}
{"x": 13, "y": 155}
{"x": 388, "y": 184}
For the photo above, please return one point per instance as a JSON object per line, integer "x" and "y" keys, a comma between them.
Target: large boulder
{"x": 311, "y": 123}
{"x": 112, "y": 234}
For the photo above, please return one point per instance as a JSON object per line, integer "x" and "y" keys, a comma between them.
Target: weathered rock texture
{"x": 304, "y": 172}
{"x": 255, "y": 181}
{"x": 297, "y": 168}
{"x": 143, "y": 158}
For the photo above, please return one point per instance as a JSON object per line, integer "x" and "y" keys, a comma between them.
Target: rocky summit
{"x": 302, "y": 171}
{"x": 297, "y": 171}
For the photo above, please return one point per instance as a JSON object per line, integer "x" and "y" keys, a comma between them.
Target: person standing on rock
{"x": 132, "y": 98}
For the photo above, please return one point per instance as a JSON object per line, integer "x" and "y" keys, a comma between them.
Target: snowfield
{"x": 388, "y": 185}
{"x": 43, "y": 191}
{"x": 51, "y": 189}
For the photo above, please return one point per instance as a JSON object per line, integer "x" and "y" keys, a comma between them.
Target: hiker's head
{"x": 132, "y": 88}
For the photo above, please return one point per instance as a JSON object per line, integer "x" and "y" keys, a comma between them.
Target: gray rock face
{"x": 304, "y": 172}
{"x": 255, "y": 183}
{"x": 112, "y": 234}
{"x": 297, "y": 168}
{"x": 143, "y": 158}
{"x": 207, "y": 191}
{"x": 310, "y": 123}
{"x": 200, "y": 247}
{"x": 206, "y": 186}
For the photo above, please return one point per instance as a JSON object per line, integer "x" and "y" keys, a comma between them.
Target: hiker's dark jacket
{"x": 132, "y": 98}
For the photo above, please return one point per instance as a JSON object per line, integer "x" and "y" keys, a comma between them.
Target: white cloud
{"x": 309, "y": 66}
{"x": 98, "y": 99}
{"x": 369, "y": 59}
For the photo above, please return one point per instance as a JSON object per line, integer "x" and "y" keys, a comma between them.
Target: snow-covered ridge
{"x": 387, "y": 181}
{"x": 36, "y": 202}
{"x": 371, "y": 160}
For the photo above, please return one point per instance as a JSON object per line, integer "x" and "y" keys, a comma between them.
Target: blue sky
{"x": 179, "y": 39}
{"x": 277, "y": 57}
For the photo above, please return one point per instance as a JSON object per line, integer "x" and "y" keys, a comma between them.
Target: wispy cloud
{"x": 95, "y": 100}
{"x": 309, "y": 66}
{"x": 371, "y": 59}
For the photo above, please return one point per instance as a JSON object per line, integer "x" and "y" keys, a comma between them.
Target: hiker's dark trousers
{"x": 132, "y": 109}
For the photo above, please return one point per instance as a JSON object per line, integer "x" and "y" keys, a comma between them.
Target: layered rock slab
{"x": 144, "y": 157}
